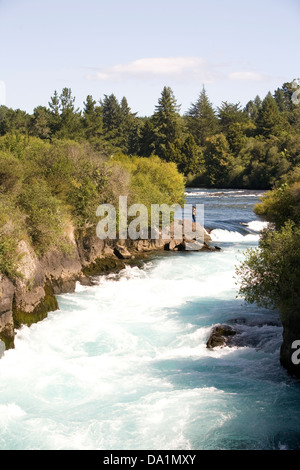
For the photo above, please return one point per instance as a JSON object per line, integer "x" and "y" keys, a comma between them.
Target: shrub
{"x": 270, "y": 274}
{"x": 44, "y": 215}
{"x": 9, "y": 257}
{"x": 280, "y": 205}
{"x": 153, "y": 181}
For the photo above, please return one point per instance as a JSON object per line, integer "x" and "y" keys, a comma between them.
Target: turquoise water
{"x": 124, "y": 364}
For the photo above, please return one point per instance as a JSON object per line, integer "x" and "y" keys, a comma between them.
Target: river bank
{"x": 29, "y": 298}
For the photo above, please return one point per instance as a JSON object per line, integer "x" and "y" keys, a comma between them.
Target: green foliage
{"x": 44, "y": 215}
{"x": 11, "y": 173}
{"x": 252, "y": 108}
{"x": 201, "y": 119}
{"x": 280, "y": 205}
{"x": 191, "y": 157}
{"x": 263, "y": 138}
{"x": 45, "y": 186}
{"x": 218, "y": 159}
{"x": 39, "y": 125}
{"x": 230, "y": 114}
{"x": 8, "y": 257}
{"x": 269, "y": 120}
{"x": 152, "y": 180}
{"x": 92, "y": 120}
{"x": 264, "y": 164}
{"x": 270, "y": 274}
{"x": 10, "y": 232}
{"x": 166, "y": 125}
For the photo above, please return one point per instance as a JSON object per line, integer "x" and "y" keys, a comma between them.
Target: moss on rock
{"x": 103, "y": 266}
{"x": 48, "y": 304}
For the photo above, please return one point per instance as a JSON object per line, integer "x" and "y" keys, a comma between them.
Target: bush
{"x": 153, "y": 181}
{"x": 280, "y": 205}
{"x": 9, "y": 257}
{"x": 11, "y": 173}
{"x": 44, "y": 215}
{"x": 270, "y": 274}
{"x": 11, "y": 231}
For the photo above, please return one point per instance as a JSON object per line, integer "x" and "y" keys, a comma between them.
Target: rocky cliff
{"x": 28, "y": 299}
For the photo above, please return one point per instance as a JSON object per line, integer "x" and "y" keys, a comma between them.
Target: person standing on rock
{"x": 194, "y": 213}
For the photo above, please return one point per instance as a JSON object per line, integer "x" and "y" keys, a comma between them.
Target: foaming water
{"x": 219, "y": 235}
{"x": 124, "y": 364}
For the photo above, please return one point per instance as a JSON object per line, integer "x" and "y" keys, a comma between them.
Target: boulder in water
{"x": 219, "y": 336}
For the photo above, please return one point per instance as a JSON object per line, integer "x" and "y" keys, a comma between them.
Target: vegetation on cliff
{"x": 48, "y": 187}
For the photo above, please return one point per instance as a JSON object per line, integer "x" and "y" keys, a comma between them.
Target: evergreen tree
{"x": 111, "y": 113}
{"x": 128, "y": 129}
{"x": 230, "y": 113}
{"x": 218, "y": 160}
{"x": 252, "y": 108}
{"x": 269, "y": 121}
{"x": 201, "y": 119}
{"x": 40, "y": 123}
{"x": 191, "y": 158}
{"x": 14, "y": 121}
{"x": 146, "y": 145}
{"x": 55, "y": 120}
{"x": 236, "y": 124}
{"x": 70, "y": 117}
{"x": 92, "y": 119}
{"x": 166, "y": 123}
{"x": 280, "y": 99}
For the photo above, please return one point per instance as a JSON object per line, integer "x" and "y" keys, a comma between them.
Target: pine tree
{"x": 166, "y": 123}
{"x": 230, "y": 113}
{"x": 252, "y": 108}
{"x": 201, "y": 119}
{"x": 111, "y": 113}
{"x": 92, "y": 119}
{"x": 40, "y": 123}
{"x": 191, "y": 157}
{"x": 146, "y": 145}
{"x": 128, "y": 129}
{"x": 269, "y": 119}
{"x": 218, "y": 160}
{"x": 70, "y": 117}
{"x": 54, "y": 107}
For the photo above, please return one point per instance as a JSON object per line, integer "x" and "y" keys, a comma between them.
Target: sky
{"x": 236, "y": 49}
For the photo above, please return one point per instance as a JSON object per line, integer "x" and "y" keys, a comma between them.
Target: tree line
{"x": 229, "y": 146}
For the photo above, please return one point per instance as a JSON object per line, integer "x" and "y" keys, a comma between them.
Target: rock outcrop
{"x": 28, "y": 299}
{"x": 7, "y": 290}
{"x": 220, "y": 336}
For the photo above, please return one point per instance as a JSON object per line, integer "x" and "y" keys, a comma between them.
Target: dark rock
{"x": 122, "y": 253}
{"x": 34, "y": 306}
{"x": 219, "y": 336}
{"x": 102, "y": 266}
{"x": 62, "y": 270}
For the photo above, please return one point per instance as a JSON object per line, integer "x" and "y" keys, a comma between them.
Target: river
{"x": 124, "y": 364}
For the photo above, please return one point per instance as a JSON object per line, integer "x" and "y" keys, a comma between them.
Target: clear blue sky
{"x": 133, "y": 48}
